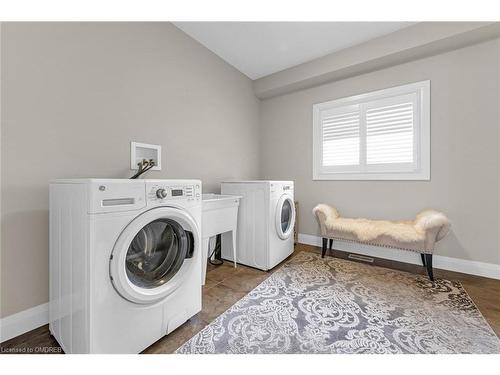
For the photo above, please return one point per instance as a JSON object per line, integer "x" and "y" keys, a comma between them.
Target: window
{"x": 381, "y": 135}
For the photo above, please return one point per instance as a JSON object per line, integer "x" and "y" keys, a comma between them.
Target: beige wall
{"x": 465, "y": 152}
{"x": 75, "y": 95}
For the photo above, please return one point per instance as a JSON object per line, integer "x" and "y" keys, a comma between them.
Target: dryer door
{"x": 154, "y": 254}
{"x": 285, "y": 217}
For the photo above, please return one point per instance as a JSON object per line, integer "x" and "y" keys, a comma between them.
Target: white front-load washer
{"x": 125, "y": 259}
{"x": 266, "y": 219}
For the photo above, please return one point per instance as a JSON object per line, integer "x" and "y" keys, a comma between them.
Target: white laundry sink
{"x": 219, "y": 215}
{"x": 219, "y": 201}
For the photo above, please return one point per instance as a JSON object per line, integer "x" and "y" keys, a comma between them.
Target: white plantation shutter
{"x": 379, "y": 135}
{"x": 340, "y": 135}
{"x": 390, "y": 133}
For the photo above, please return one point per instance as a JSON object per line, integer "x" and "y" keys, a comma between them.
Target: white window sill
{"x": 372, "y": 176}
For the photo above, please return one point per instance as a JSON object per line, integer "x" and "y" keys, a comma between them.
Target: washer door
{"x": 285, "y": 217}
{"x": 153, "y": 254}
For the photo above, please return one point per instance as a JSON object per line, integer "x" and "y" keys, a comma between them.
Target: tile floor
{"x": 225, "y": 285}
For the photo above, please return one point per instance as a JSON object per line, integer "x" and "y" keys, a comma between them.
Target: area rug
{"x": 315, "y": 305}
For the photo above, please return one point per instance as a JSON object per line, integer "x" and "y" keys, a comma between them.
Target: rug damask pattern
{"x": 315, "y": 305}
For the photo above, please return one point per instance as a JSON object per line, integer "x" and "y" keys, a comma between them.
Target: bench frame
{"x": 426, "y": 258}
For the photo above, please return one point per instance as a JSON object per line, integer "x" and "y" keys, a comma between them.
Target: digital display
{"x": 177, "y": 192}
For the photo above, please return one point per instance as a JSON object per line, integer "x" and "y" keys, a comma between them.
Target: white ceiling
{"x": 258, "y": 49}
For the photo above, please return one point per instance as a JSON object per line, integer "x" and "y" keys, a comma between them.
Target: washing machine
{"x": 266, "y": 220}
{"x": 125, "y": 259}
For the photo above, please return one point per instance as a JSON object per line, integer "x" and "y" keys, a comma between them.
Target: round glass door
{"x": 285, "y": 217}
{"x": 156, "y": 253}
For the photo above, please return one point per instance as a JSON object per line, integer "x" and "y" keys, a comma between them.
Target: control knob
{"x": 161, "y": 193}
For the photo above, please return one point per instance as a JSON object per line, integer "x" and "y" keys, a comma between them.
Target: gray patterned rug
{"x": 314, "y": 305}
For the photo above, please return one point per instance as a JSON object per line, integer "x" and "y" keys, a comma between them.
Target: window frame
{"x": 421, "y": 169}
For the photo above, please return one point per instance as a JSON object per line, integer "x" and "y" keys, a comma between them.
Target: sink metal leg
{"x": 233, "y": 235}
{"x": 204, "y": 258}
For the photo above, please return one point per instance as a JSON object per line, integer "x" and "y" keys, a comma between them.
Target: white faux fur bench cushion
{"x": 367, "y": 230}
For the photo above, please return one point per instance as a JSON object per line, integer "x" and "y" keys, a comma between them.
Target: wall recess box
{"x": 140, "y": 151}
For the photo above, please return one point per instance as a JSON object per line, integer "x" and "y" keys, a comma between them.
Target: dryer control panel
{"x": 281, "y": 187}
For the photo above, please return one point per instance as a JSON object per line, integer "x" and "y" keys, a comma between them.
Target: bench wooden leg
{"x": 325, "y": 243}
{"x": 428, "y": 265}
{"x": 330, "y": 244}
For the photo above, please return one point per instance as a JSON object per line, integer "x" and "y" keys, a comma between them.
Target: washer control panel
{"x": 159, "y": 192}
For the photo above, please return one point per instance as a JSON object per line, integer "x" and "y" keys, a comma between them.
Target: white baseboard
{"x": 446, "y": 263}
{"x": 24, "y": 321}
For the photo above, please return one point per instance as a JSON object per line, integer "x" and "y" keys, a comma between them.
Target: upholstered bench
{"x": 419, "y": 235}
